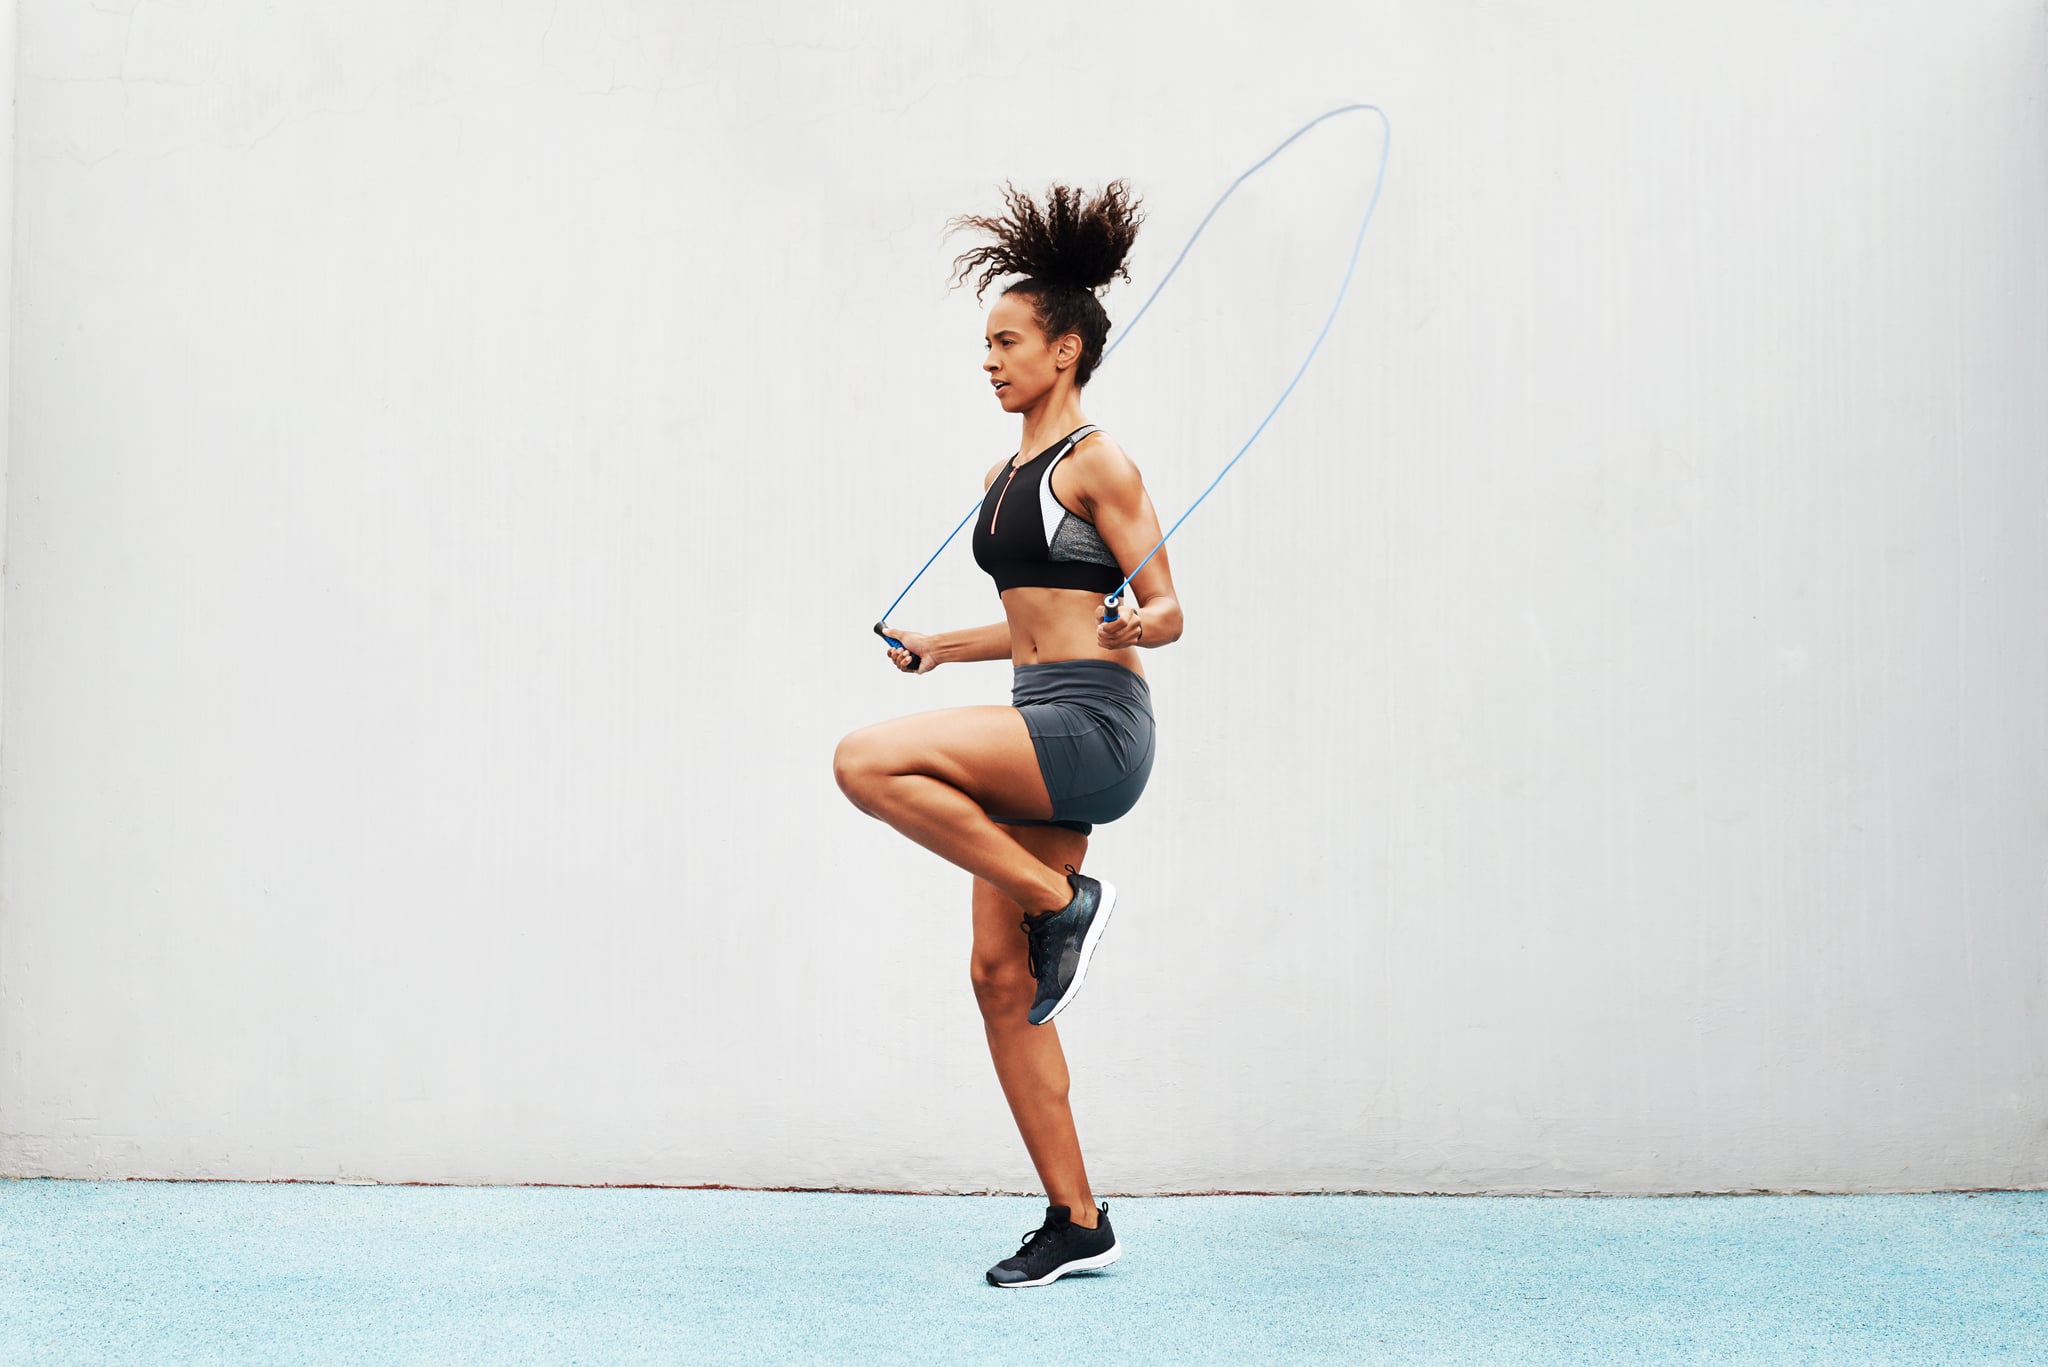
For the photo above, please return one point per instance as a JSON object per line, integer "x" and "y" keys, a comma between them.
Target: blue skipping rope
{"x": 1111, "y": 601}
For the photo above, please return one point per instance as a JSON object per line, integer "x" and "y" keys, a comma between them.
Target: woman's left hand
{"x": 1124, "y": 632}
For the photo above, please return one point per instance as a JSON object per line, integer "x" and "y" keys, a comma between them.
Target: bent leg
{"x": 936, "y": 776}
{"x": 1029, "y": 1061}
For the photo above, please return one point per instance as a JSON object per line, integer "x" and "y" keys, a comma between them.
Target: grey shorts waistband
{"x": 1068, "y": 677}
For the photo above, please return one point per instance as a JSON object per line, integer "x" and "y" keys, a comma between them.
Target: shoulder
{"x": 1099, "y": 452}
{"x": 993, "y": 471}
{"x": 1103, "y": 471}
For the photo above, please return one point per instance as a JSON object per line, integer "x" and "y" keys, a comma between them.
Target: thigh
{"x": 998, "y": 938}
{"x": 985, "y": 752}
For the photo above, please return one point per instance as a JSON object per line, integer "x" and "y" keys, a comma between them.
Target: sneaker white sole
{"x": 1087, "y": 952}
{"x": 1102, "y": 1259}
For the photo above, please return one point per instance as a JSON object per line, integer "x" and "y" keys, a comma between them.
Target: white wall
{"x": 7, "y": 53}
{"x": 458, "y": 451}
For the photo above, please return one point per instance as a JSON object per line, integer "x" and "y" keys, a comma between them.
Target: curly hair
{"x": 1065, "y": 252}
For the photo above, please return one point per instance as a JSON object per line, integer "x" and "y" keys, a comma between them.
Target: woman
{"x": 1011, "y": 793}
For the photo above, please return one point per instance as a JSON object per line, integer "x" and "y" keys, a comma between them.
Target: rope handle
{"x": 882, "y": 630}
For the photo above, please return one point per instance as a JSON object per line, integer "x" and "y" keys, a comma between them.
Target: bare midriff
{"x": 1047, "y": 625}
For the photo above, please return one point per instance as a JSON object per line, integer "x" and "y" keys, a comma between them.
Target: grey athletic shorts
{"x": 1091, "y": 723}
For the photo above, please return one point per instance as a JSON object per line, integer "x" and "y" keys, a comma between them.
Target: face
{"x": 1019, "y": 357}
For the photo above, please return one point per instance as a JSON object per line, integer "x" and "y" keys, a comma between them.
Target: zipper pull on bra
{"x": 999, "y": 500}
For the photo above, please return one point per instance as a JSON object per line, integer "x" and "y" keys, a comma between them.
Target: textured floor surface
{"x": 188, "y": 1272}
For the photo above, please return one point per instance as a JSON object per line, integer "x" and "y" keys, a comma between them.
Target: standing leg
{"x": 1029, "y": 1062}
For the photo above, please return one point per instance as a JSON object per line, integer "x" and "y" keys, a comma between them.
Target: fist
{"x": 1124, "y": 632}
{"x": 914, "y": 643}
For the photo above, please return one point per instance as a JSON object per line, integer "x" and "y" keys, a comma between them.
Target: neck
{"x": 1051, "y": 418}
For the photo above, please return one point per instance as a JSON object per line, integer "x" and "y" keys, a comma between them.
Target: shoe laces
{"x": 1041, "y": 1232}
{"x": 1034, "y": 948}
{"x": 1038, "y": 936}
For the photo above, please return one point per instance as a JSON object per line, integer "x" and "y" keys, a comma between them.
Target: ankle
{"x": 1094, "y": 1217}
{"x": 1056, "y": 898}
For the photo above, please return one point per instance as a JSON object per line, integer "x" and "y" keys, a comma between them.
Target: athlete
{"x": 1011, "y": 793}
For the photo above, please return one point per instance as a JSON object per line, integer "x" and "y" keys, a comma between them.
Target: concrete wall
{"x": 457, "y": 451}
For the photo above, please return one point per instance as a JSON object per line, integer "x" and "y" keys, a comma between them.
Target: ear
{"x": 1067, "y": 351}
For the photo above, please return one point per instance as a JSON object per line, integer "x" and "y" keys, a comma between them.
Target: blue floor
{"x": 189, "y": 1272}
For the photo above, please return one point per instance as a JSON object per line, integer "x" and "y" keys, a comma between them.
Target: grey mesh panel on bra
{"x": 1076, "y": 539}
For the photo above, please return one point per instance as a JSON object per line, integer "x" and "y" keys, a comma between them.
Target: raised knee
{"x": 855, "y": 765}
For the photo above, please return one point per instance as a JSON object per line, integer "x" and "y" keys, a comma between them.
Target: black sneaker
{"x": 1062, "y": 941}
{"x": 1057, "y": 1247}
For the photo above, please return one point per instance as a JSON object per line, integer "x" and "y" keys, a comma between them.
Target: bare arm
{"x": 1113, "y": 495}
{"x": 991, "y": 642}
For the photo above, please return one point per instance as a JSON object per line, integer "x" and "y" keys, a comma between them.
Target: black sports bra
{"x": 1033, "y": 540}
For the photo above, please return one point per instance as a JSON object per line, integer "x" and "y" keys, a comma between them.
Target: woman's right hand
{"x": 914, "y": 643}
